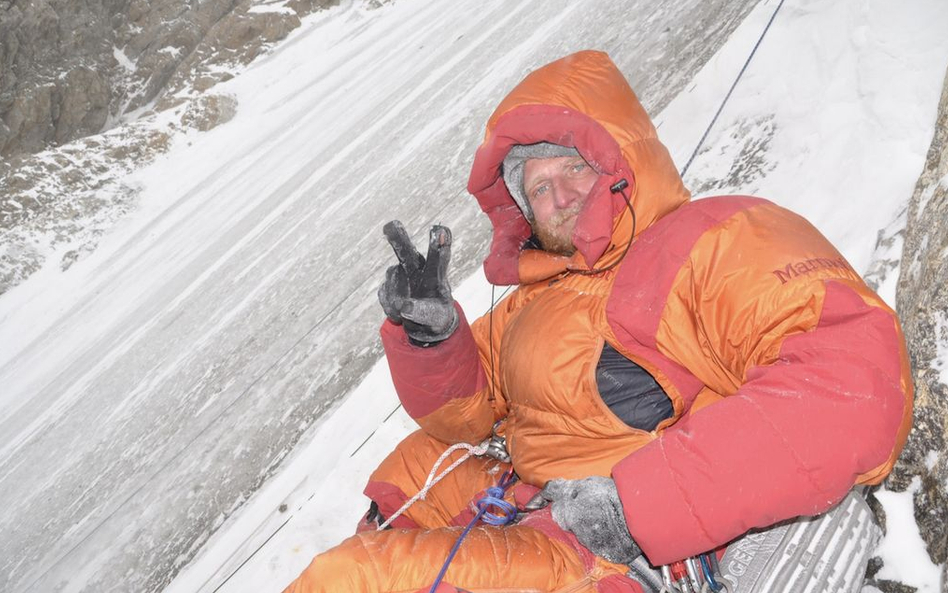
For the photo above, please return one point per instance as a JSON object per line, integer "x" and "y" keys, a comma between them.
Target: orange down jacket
{"x": 789, "y": 377}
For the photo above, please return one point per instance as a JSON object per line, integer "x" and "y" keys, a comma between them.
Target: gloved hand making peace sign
{"x": 416, "y": 293}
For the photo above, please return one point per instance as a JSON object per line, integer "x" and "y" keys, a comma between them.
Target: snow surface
{"x": 123, "y": 60}
{"x": 152, "y": 394}
{"x": 274, "y": 8}
{"x": 823, "y": 115}
{"x": 941, "y": 344}
{"x": 152, "y": 389}
{"x": 903, "y": 548}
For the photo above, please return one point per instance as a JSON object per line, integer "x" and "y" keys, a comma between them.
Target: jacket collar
{"x": 582, "y": 101}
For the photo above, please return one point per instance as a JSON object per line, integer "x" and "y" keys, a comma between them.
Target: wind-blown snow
{"x": 832, "y": 119}
{"x": 164, "y": 379}
{"x": 148, "y": 392}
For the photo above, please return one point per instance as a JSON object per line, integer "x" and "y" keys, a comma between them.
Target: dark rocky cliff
{"x": 922, "y": 304}
{"x": 80, "y": 85}
{"x": 70, "y": 69}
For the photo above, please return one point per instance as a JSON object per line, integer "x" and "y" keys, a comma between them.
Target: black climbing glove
{"x": 416, "y": 293}
{"x": 591, "y": 509}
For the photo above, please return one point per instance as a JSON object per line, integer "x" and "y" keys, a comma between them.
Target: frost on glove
{"x": 591, "y": 509}
{"x": 416, "y": 293}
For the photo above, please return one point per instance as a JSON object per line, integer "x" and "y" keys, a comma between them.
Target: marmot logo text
{"x": 794, "y": 269}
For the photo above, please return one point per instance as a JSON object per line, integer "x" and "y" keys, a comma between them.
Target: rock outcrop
{"x": 922, "y": 303}
{"x": 80, "y": 83}
{"x": 71, "y": 69}
{"x": 53, "y": 86}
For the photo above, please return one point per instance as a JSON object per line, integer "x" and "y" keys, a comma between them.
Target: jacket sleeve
{"x": 823, "y": 402}
{"x": 451, "y": 389}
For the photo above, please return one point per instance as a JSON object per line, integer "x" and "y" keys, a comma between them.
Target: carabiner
{"x": 497, "y": 445}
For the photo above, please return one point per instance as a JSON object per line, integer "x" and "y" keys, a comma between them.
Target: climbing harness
{"x": 491, "y": 508}
{"x": 694, "y": 575}
{"x": 493, "y": 499}
{"x": 494, "y": 447}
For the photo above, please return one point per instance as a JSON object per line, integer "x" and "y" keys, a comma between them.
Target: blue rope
{"x": 494, "y": 497}
{"x": 728, "y": 96}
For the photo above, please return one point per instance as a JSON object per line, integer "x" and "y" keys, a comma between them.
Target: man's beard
{"x": 551, "y": 240}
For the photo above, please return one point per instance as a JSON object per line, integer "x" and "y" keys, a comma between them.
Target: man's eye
{"x": 539, "y": 190}
{"x": 578, "y": 167}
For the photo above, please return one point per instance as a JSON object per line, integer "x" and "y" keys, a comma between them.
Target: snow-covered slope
{"x": 832, "y": 118}
{"x": 151, "y": 390}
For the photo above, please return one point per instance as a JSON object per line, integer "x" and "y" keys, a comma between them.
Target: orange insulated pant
{"x": 532, "y": 556}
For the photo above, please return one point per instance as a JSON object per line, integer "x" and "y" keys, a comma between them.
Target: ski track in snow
{"x": 152, "y": 389}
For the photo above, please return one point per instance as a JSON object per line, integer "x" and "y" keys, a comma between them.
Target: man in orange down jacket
{"x": 674, "y": 372}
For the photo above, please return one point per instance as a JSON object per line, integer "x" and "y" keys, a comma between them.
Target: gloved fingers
{"x": 590, "y": 508}
{"x": 404, "y": 249}
{"x": 396, "y": 279}
{"x": 436, "y": 266}
{"x": 393, "y": 292}
{"x": 556, "y": 489}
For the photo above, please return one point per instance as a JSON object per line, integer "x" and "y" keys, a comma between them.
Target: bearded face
{"x": 557, "y": 189}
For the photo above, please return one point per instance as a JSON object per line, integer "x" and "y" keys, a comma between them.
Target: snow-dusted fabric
{"x": 534, "y": 555}
{"x": 416, "y": 293}
{"x": 788, "y": 377}
{"x": 590, "y": 509}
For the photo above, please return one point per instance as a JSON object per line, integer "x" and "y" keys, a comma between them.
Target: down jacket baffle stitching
{"x": 788, "y": 376}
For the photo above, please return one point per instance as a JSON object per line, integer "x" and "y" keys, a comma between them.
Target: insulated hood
{"x": 582, "y": 101}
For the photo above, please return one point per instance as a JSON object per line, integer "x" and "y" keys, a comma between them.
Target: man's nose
{"x": 564, "y": 194}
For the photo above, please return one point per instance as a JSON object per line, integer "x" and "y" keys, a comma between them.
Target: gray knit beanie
{"x": 513, "y": 169}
